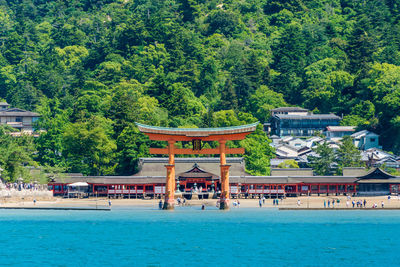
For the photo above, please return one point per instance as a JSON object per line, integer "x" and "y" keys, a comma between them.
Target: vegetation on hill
{"x": 93, "y": 68}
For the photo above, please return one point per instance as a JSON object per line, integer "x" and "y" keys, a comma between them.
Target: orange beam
{"x": 188, "y": 151}
{"x": 167, "y": 137}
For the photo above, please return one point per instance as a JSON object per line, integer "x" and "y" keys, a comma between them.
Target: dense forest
{"x": 92, "y": 68}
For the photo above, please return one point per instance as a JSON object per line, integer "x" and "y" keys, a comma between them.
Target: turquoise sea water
{"x": 192, "y": 237}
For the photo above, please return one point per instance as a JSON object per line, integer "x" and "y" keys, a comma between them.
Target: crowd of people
{"x": 23, "y": 186}
{"x": 353, "y": 203}
{"x": 23, "y": 190}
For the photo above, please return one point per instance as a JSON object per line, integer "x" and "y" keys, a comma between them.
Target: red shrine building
{"x": 220, "y": 177}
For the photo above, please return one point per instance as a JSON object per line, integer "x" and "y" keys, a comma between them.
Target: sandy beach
{"x": 305, "y": 202}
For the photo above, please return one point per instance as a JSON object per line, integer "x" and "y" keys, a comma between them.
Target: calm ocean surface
{"x": 189, "y": 236}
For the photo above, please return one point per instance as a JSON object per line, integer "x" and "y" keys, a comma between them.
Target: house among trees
{"x": 300, "y": 122}
{"x": 18, "y": 118}
{"x": 365, "y": 139}
{"x": 289, "y": 111}
{"x": 374, "y": 157}
{"x": 337, "y": 132}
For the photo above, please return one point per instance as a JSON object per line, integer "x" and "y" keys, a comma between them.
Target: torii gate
{"x": 196, "y": 136}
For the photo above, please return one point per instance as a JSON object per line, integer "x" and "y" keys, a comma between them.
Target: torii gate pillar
{"x": 224, "y": 197}
{"x": 170, "y": 181}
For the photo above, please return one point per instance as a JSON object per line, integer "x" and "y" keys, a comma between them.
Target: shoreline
{"x": 306, "y": 203}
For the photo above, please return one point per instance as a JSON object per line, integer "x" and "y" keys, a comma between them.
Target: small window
{"x": 372, "y": 139}
{"x": 18, "y": 119}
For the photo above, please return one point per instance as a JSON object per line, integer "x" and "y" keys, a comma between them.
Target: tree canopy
{"x": 99, "y": 66}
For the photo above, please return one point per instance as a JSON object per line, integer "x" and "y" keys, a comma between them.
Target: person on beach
{"x": 382, "y": 204}
{"x": 324, "y": 203}
{"x": 329, "y": 203}
{"x": 260, "y": 202}
{"x": 347, "y": 204}
{"x": 109, "y": 203}
{"x": 277, "y": 201}
{"x": 34, "y": 201}
{"x": 353, "y": 202}
{"x": 365, "y": 203}
{"x": 298, "y": 203}
{"x": 273, "y": 202}
{"x": 238, "y": 203}
{"x": 203, "y": 207}
{"x": 389, "y": 198}
{"x": 179, "y": 201}
{"x": 333, "y": 203}
{"x": 160, "y": 204}
{"x": 263, "y": 198}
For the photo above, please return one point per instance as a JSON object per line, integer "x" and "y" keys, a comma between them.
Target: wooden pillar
{"x": 170, "y": 179}
{"x": 224, "y": 198}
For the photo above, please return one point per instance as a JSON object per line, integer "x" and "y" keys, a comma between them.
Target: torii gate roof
{"x": 202, "y": 133}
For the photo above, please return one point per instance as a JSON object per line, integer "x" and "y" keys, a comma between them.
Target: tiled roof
{"x": 11, "y": 112}
{"x": 341, "y": 128}
{"x": 308, "y": 117}
{"x": 362, "y": 134}
{"x": 289, "y": 109}
{"x": 197, "y": 131}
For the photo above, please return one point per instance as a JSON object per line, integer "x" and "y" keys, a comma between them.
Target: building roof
{"x": 263, "y": 179}
{"x": 12, "y": 112}
{"x": 197, "y": 172}
{"x": 308, "y": 117}
{"x": 363, "y": 133}
{"x": 197, "y": 132}
{"x": 156, "y": 166}
{"x": 376, "y": 173}
{"x": 341, "y": 128}
{"x": 289, "y": 109}
{"x": 379, "y": 181}
{"x": 276, "y": 161}
{"x": 328, "y": 179}
{"x": 274, "y": 137}
{"x": 4, "y": 104}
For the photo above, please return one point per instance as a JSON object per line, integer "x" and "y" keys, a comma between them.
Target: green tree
{"x": 326, "y": 85}
{"x": 348, "y": 155}
{"x": 89, "y": 148}
{"x": 131, "y": 145}
{"x": 52, "y": 124}
{"x": 288, "y": 164}
{"x": 258, "y": 152}
{"x": 322, "y": 163}
{"x": 15, "y": 155}
{"x": 263, "y": 100}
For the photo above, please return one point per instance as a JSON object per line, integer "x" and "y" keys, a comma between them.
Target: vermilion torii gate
{"x": 196, "y": 136}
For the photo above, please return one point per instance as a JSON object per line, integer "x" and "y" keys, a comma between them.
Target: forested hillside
{"x": 94, "y": 67}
